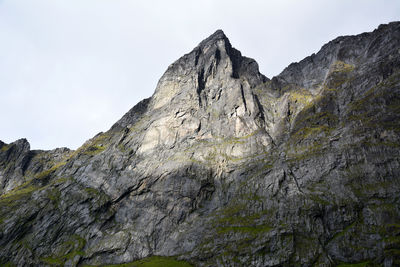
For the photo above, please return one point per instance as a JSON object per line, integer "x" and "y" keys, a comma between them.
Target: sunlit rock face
{"x": 225, "y": 167}
{"x": 206, "y": 93}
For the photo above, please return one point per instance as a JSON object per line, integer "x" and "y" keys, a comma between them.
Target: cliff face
{"x": 223, "y": 166}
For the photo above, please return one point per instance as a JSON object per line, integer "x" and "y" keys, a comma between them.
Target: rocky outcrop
{"x": 17, "y": 162}
{"x": 225, "y": 167}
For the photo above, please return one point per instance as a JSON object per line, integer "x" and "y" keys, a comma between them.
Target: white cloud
{"x": 69, "y": 69}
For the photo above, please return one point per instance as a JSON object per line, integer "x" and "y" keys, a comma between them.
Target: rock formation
{"x": 225, "y": 167}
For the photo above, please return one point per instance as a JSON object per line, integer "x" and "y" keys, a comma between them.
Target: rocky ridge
{"x": 225, "y": 167}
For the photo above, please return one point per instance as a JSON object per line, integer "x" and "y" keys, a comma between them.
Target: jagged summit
{"x": 213, "y": 38}
{"x": 209, "y": 67}
{"x": 212, "y": 74}
{"x": 353, "y": 49}
{"x": 218, "y": 33}
{"x": 214, "y": 79}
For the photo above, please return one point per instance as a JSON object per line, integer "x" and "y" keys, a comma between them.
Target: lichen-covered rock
{"x": 225, "y": 167}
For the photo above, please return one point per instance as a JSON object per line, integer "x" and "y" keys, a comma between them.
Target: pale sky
{"x": 70, "y": 69}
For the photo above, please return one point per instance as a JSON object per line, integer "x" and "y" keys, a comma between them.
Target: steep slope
{"x": 223, "y": 166}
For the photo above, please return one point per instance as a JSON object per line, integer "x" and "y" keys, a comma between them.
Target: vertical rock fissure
{"x": 200, "y": 85}
{"x": 243, "y": 98}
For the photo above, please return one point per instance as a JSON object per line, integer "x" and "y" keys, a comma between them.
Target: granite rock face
{"x": 225, "y": 167}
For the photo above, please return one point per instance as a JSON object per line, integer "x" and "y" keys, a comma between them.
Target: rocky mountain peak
{"x": 207, "y": 92}
{"x": 224, "y": 167}
{"x": 218, "y": 35}
{"x": 214, "y": 64}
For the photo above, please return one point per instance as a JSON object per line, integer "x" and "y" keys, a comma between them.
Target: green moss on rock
{"x": 153, "y": 261}
{"x": 360, "y": 264}
{"x": 13, "y": 197}
{"x": 66, "y": 251}
{"x": 45, "y": 174}
{"x": 4, "y": 148}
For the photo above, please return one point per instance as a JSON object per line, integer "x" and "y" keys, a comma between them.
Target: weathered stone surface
{"x": 225, "y": 167}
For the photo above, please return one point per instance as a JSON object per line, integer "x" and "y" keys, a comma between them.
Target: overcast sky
{"x": 69, "y": 69}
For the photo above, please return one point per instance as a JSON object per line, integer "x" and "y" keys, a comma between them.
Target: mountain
{"x": 225, "y": 167}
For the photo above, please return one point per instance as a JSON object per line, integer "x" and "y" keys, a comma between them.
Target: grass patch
{"x": 13, "y": 197}
{"x": 307, "y": 132}
{"x": 236, "y": 218}
{"x": 340, "y": 66}
{"x": 45, "y": 174}
{"x": 153, "y": 261}
{"x": 318, "y": 199}
{"x": 360, "y": 264}
{"x": 253, "y": 230}
{"x": 94, "y": 149}
{"x": 93, "y": 146}
{"x": 301, "y": 96}
{"x": 305, "y": 152}
{"x": 68, "y": 250}
{"x": 53, "y": 261}
{"x": 344, "y": 231}
{"x": 339, "y": 74}
{"x": 4, "y": 148}
{"x": 9, "y": 264}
